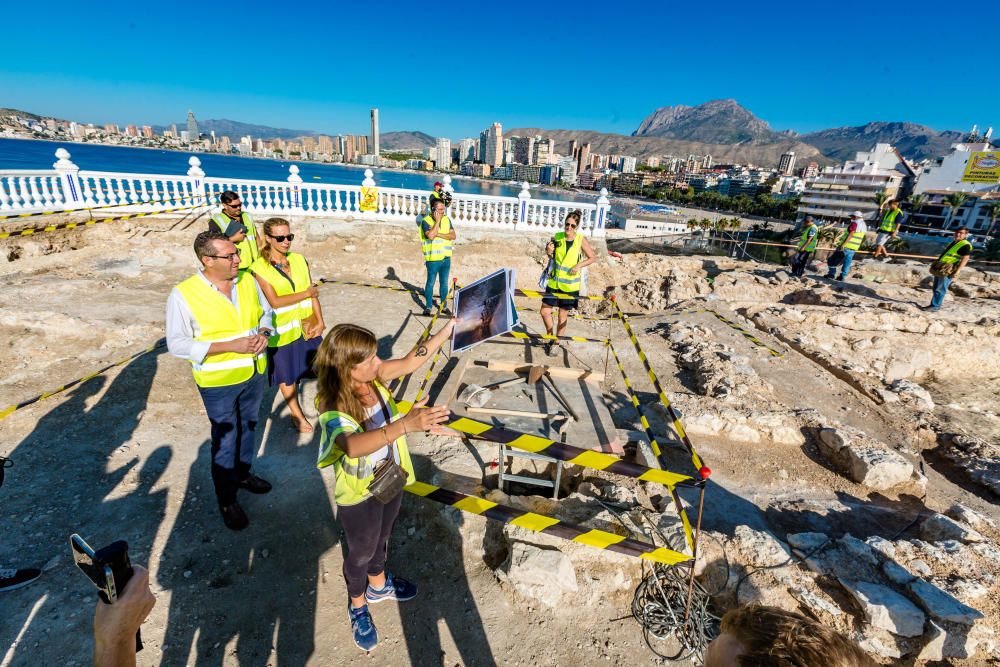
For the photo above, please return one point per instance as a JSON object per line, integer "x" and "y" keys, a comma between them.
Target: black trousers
{"x": 800, "y": 261}
{"x": 233, "y": 411}
{"x": 367, "y": 527}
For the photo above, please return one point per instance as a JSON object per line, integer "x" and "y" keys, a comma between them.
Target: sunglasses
{"x": 228, "y": 257}
{"x": 572, "y": 225}
{"x": 281, "y": 239}
{"x": 235, "y": 204}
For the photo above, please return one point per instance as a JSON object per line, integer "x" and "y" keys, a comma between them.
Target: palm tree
{"x": 954, "y": 202}
{"x": 692, "y": 224}
{"x": 917, "y": 202}
{"x": 992, "y": 209}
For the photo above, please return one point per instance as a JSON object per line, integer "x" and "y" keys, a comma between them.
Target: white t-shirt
{"x": 374, "y": 420}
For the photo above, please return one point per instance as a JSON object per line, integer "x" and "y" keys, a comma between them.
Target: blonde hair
{"x": 346, "y": 346}
{"x": 773, "y": 637}
{"x": 269, "y": 225}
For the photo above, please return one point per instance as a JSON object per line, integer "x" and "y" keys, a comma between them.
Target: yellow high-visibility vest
{"x": 564, "y": 259}
{"x": 249, "y": 252}
{"x": 218, "y": 322}
{"x": 437, "y": 248}
{"x": 354, "y": 475}
{"x": 287, "y": 319}
{"x": 889, "y": 220}
{"x": 950, "y": 255}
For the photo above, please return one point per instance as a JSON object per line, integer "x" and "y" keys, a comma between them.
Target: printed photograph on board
{"x": 484, "y": 309}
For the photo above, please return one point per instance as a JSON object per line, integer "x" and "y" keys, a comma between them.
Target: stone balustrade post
{"x": 198, "y": 190}
{"x": 294, "y": 189}
{"x": 601, "y": 214}
{"x": 523, "y": 199}
{"x": 369, "y": 183}
{"x": 69, "y": 180}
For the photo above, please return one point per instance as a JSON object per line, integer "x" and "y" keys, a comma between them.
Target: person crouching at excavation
{"x": 284, "y": 279}
{"x": 563, "y": 288}
{"x": 219, "y": 320}
{"x": 436, "y": 235}
{"x": 238, "y": 226}
{"x": 363, "y": 436}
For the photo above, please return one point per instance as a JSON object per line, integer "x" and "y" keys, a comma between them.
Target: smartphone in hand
{"x": 109, "y": 569}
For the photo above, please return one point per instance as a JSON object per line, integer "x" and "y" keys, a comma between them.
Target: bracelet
{"x": 385, "y": 435}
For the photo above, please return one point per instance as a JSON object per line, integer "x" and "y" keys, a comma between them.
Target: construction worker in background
{"x": 848, "y": 243}
{"x": 220, "y": 321}
{"x": 957, "y": 253}
{"x": 888, "y": 229}
{"x": 437, "y": 194}
{"x": 806, "y": 247}
{"x": 238, "y": 227}
{"x": 436, "y": 235}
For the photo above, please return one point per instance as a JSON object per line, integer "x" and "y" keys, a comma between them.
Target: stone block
{"x": 941, "y": 605}
{"x": 541, "y": 574}
{"x": 877, "y": 467}
{"x": 938, "y": 527}
{"x": 885, "y": 608}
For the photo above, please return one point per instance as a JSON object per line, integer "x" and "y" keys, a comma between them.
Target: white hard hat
{"x": 857, "y": 214}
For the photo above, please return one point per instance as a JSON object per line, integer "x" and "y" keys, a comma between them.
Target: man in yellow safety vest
{"x": 957, "y": 252}
{"x": 436, "y": 236}
{"x": 848, "y": 243}
{"x": 238, "y": 226}
{"x": 888, "y": 229}
{"x": 219, "y": 320}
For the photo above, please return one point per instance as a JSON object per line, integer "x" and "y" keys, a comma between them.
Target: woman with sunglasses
{"x": 563, "y": 287}
{"x": 284, "y": 279}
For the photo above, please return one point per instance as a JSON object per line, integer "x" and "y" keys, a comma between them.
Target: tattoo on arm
{"x": 422, "y": 351}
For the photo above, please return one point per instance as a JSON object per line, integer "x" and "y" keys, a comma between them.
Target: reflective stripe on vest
{"x": 950, "y": 255}
{"x": 287, "y": 319}
{"x": 437, "y": 248}
{"x": 855, "y": 239}
{"x": 218, "y": 322}
{"x": 889, "y": 220}
{"x": 808, "y": 242}
{"x": 565, "y": 258}
{"x": 354, "y": 475}
{"x": 248, "y": 246}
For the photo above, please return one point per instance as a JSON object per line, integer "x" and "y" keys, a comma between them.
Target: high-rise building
{"x": 192, "y": 127}
{"x": 583, "y": 159}
{"x": 542, "y": 151}
{"x": 131, "y": 131}
{"x": 626, "y": 164}
{"x": 491, "y": 145}
{"x": 707, "y": 162}
{"x": 147, "y": 131}
{"x": 112, "y": 128}
{"x": 467, "y": 151}
{"x": 811, "y": 170}
{"x": 325, "y": 145}
{"x": 573, "y": 148}
{"x": 567, "y": 170}
{"x": 522, "y": 149}
{"x": 786, "y": 163}
{"x": 173, "y": 129}
{"x": 375, "y": 148}
{"x": 442, "y": 154}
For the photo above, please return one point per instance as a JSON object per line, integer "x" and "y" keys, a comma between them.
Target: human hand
{"x": 450, "y": 324}
{"x": 550, "y": 248}
{"x": 574, "y": 271}
{"x": 115, "y": 624}
{"x": 317, "y": 329}
{"x": 259, "y": 343}
{"x": 312, "y": 292}
{"x": 421, "y": 418}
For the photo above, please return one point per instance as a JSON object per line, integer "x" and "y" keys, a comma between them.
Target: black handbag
{"x": 389, "y": 478}
{"x": 836, "y": 258}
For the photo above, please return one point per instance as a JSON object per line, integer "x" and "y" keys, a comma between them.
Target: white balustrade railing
{"x": 66, "y": 188}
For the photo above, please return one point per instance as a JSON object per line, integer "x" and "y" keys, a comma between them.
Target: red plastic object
{"x": 705, "y": 472}
{"x": 613, "y": 297}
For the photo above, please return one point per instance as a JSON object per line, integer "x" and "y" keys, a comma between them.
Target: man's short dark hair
{"x": 962, "y": 229}
{"x": 228, "y": 196}
{"x": 203, "y": 243}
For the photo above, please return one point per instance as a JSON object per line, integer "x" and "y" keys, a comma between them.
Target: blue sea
{"x": 31, "y": 154}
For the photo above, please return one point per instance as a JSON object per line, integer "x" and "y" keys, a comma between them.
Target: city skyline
{"x": 671, "y": 56}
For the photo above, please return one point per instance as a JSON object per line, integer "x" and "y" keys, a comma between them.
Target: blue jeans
{"x": 440, "y": 270}
{"x": 844, "y": 268}
{"x": 940, "y": 289}
{"x": 233, "y": 411}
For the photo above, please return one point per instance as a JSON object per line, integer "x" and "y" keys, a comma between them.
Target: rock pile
{"x": 978, "y": 459}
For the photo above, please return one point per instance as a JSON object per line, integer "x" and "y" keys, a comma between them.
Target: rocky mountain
{"x": 405, "y": 141}
{"x": 715, "y": 122}
{"x": 234, "y": 129}
{"x": 915, "y": 142}
{"x": 643, "y": 147}
{"x": 727, "y": 122}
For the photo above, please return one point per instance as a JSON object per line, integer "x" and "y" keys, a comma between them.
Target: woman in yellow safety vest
{"x": 364, "y": 432}
{"x": 563, "y": 287}
{"x": 284, "y": 279}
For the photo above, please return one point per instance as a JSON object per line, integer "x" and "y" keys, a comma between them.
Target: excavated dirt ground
{"x": 125, "y": 456}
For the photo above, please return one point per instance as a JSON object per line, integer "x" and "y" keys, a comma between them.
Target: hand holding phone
{"x": 110, "y": 570}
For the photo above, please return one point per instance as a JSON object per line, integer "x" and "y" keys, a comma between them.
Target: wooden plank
{"x": 519, "y": 413}
{"x": 554, "y": 371}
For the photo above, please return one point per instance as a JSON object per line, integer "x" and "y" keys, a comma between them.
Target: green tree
{"x": 954, "y": 201}
{"x": 917, "y": 202}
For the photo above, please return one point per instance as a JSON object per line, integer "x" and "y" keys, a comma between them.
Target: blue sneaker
{"x": 362, "y": 626}
{"x": 396, "y": 589}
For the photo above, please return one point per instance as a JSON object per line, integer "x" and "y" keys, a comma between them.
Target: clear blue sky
{"x": 450, "y": 70}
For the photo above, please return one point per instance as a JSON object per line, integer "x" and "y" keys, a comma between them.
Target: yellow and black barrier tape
{"x": 169, "y": 200}
{"x": 391, "y": 288}
{"x": 746, "y": 334}
{"x": 23, "y": 404}
{"x": 539, "y": 523}
{"x": 523, "y": 335}
{"x": 535, "y": 294}
{"x": 699, "y": 465}
{"x": 592, "y": 318}
{"x": 86, "y": 223}
{"x": 561, "y": 451}
{"x": 440, "y": 308}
